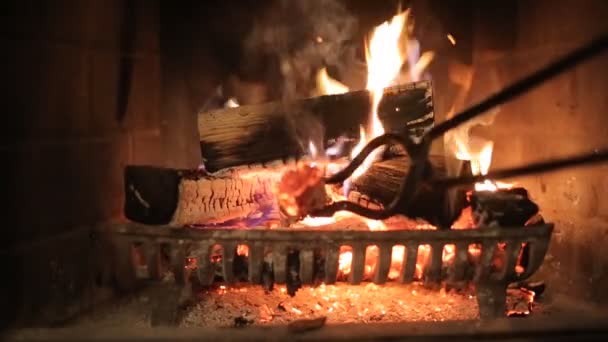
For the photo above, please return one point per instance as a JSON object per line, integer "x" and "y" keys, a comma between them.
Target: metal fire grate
{"x": 271, "y": 248}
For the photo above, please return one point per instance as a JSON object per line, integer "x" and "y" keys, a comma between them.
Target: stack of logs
{"x": 246, "y": 148}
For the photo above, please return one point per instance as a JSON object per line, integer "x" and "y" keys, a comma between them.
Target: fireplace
{"x": 152, "y": 140}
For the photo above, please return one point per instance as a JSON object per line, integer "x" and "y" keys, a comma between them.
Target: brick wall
{"x": 63, "y": 136}
{"x": 560, "y": 118}
{"x": 66, "y": 136}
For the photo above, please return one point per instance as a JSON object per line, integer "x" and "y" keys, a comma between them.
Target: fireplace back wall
{"x": 563, "y": 117}
{"x": 72, "y": 121}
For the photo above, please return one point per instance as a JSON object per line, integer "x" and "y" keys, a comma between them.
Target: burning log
{"x": 382, "y": 180}
{"x": 275, "y": 131}
{"x": 157, "y": 195}
{"x": 302, "y": 191}
{"x": 503, "y": 207}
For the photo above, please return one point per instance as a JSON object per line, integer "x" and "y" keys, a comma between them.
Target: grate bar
{"x": 331, "y": 264}
{"x": 433, "y": 272}
{"x": 307, "y": 264}
{"x": 205, "y": 270}
{"x": 256, "y": 261}
{"x": 460, "y": 262}
{"x": 151, "y": 253}
{"x": 383, "y": 264}
{"x": 357, "y": 267}
{"x": 409, "y": 268}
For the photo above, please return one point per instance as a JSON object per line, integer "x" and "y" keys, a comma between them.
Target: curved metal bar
{"x": 384, "y": 139}
{"x": 418, "y": 154}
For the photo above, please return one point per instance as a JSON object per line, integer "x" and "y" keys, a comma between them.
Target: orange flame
{"x": 329, "y": 86}
{"x": 384, "y": 61}
{"x": 385, "y": 57}
{"x": 480, "y": 164}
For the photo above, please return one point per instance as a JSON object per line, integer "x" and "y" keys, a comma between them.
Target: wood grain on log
{"x": 185, "y": 197}
{"x": 381, "y": 183}
{"x": 273, "y": 131}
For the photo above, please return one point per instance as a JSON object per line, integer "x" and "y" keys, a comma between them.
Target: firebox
{"x": 320, "y": 170}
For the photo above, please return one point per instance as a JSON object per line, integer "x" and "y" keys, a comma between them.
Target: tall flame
{"x": 385, "y": 56}
{"x": 384, "y": 61}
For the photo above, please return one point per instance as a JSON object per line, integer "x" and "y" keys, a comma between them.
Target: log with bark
{"x": 278, "y": 131}
{"x": 381, "y": 183}
{"x": 187, "y": 197}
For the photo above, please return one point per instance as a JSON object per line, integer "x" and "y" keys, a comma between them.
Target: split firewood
{"x": 274, "y": 131}
{"x": 188, "y": 197}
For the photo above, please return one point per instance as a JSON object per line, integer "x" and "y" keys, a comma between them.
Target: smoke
{"x": 297, "y": 38}
{"x": 301, "y": 36}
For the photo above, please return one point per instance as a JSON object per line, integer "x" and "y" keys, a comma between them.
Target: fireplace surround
{"x": 98, "y": 85}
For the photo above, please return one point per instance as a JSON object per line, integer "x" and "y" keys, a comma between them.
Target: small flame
{"x": 329, "y": 86}
{"x": 421, "y": 64}
{"x": 312, "y": 149}
{"x": 231, "y": 103}
{"x": 480, "y": 164}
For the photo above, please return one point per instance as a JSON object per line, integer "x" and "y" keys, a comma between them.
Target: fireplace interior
{"x": 163, "y": 171}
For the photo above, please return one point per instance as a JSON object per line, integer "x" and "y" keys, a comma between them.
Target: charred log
{"x": 504, "y": 207}
{"x": 185, "y": 197}
{"x": 274, "y": 131}
{"x": 382, "y": 180}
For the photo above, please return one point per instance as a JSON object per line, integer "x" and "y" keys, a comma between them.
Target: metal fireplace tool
{"x": 269, "y": 249}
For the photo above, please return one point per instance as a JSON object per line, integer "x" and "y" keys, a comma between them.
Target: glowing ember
{"x": 242, "y": 250}
{"x": 300, "y": 190}
{"x": 344, "y": 303}
{"x": 451, "y": 39}
{"x": 528, "y": 299}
